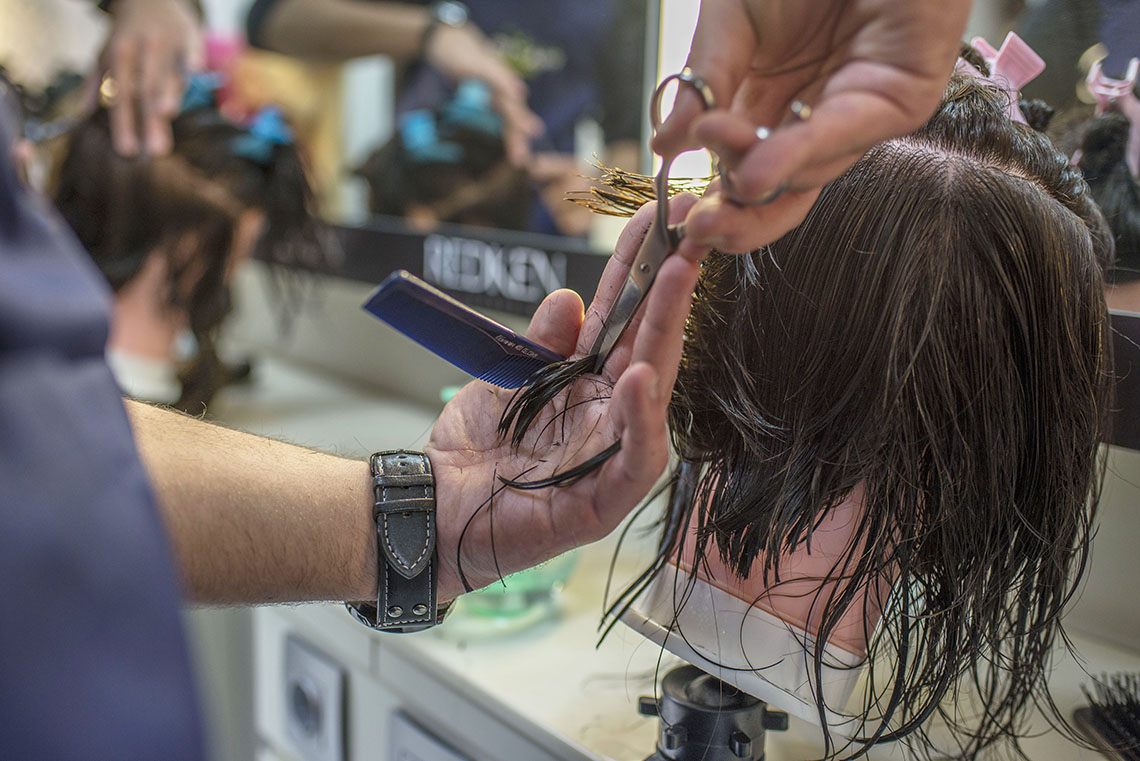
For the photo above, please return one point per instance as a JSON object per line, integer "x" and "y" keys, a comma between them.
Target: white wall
{"x": 39, "y": 38}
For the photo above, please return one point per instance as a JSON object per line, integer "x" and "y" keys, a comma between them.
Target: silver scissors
{"x": 660, "y": 241}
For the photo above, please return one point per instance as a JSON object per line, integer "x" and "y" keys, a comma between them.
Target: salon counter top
{"x": 560, "y": 694}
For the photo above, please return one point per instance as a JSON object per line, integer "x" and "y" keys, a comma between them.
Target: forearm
{"x": 253, "y": 520}
{"x": 194, "y": 5}
{"x": 338, "y": 30}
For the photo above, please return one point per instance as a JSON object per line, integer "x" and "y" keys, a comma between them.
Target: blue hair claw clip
{"x": 267, "y": 131}
{"x": 471, "y": 108}
{"x": 201, "y": 91}
{"x": 421, "y": 139}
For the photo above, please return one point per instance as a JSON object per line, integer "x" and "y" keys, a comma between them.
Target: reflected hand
{"x": 629, "y": 404}
{"x": 869, "y": 69}
{"x": 465, "y": 53}
{"x": 151, "y": 46}
{"x": 557, "y": 176}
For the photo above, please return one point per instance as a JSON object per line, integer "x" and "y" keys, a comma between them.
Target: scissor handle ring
{"x": 685, "y": 76}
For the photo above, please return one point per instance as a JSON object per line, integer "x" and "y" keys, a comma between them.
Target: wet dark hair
{"x": 451, "y": 161}
{"x": 936, "y": 331}
{"x": 186, "y": 206}
{"x": 463, "y": 193}
{"x": 1115, "y": 190}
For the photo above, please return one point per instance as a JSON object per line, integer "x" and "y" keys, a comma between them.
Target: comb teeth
{"x": 512, "y": 371}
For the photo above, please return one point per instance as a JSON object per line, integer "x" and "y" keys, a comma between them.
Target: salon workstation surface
{"x": 541, "y": 692}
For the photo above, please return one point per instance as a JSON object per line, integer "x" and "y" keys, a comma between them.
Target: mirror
{"x": 402, "y": 140}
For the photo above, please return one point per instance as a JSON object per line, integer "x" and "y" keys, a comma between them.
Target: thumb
{"x": 557, "y": 321}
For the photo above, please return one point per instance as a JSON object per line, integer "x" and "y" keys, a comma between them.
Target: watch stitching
{"x": 387, "y": 540}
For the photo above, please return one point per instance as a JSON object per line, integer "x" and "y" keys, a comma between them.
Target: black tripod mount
{"x": 705, "y": 719}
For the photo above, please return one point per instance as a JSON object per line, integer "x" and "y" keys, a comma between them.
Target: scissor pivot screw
{"x": 644, "y": 267}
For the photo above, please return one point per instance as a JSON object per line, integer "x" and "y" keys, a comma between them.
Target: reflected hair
{"x": 936, "y": 331}
{"x": 1115, "y": 190}
{"x": 186, "y": 206}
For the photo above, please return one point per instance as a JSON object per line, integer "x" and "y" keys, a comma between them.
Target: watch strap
{"x": 404, "y": 515}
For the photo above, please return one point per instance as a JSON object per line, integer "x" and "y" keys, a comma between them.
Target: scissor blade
{"x": 659, "y": 243}
{"x": 622, "y": 311}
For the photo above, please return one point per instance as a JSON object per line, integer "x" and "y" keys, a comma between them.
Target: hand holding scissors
{"x": 660, "y": 241}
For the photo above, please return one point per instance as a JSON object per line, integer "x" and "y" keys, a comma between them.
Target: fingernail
{"x": 654, "y": 385}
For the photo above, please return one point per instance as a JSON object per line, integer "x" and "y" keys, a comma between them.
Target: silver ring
{"x": 685, "y": 76}
{"x": 801, "y": 111}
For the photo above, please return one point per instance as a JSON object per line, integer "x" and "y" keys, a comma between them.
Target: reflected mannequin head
{"x": 167, "y": 232}
{"x": 888, "y": 423}
{"x": 1117, "y": 192}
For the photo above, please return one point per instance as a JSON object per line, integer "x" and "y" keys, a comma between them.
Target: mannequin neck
{"x": 144, "y": 323}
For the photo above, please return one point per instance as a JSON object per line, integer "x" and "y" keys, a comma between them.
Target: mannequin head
{"x": 167, "y": 232}
{"x": 889, "y": 419}
{"x": 1116, "y": 190}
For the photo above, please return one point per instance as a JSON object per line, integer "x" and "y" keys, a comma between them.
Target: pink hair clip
{"x": 1011, "y": 68}
{"x": 1120, "y": 95}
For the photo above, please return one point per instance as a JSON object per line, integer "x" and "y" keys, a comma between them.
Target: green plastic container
{"x": 528, "y": 593}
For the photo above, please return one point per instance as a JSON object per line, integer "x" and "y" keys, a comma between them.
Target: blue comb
{"x": 476, "y": 344}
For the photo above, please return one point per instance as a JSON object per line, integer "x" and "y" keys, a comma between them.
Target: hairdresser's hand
{"x": 869, "y": 69}
{"x": 150, "y": 48}
{"x": 465, "y": 53}
{"x": 558, "y": 176}
{"x": 628, "y": 405}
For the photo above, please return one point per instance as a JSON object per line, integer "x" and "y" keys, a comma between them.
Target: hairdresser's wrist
{"x": 456, "y": 531}
{"x": 442, "y": 16}
{"x": 111, "y": 6}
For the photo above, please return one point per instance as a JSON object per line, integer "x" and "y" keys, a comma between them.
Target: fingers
{"x": 658, "y": 340}
{"x": 613, "y": 278}
{"x": 716, "y": 222}
{"x": 155, "y": 107}
{"x": 641, "y": 396}
{"x": 548, "y": 166}
{"x": 520, "y": 124}
{"x": 124, "y": 127}
{"x": 792, "y": 163}
{"x": 557, "y": 321}
{"x": 151, "y": 44}
{"x": 723, "y": 44}
{"x": 629, "y": 475}
{"x": 845, "y": 122}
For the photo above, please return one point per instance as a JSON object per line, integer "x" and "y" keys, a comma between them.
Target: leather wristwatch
{"x": 443, "y": 13}
{"x": 404, "y": 514}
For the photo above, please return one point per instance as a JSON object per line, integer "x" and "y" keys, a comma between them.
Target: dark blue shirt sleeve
{"x": 93, "y": 661}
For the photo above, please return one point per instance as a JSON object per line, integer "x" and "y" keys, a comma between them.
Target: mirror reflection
{"x": 484, "y": 113}
{"x": 1089, "y": 86}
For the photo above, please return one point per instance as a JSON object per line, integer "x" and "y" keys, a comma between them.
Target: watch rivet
{"x": 395, "y": 611}
{"x": 419, "y": 610}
